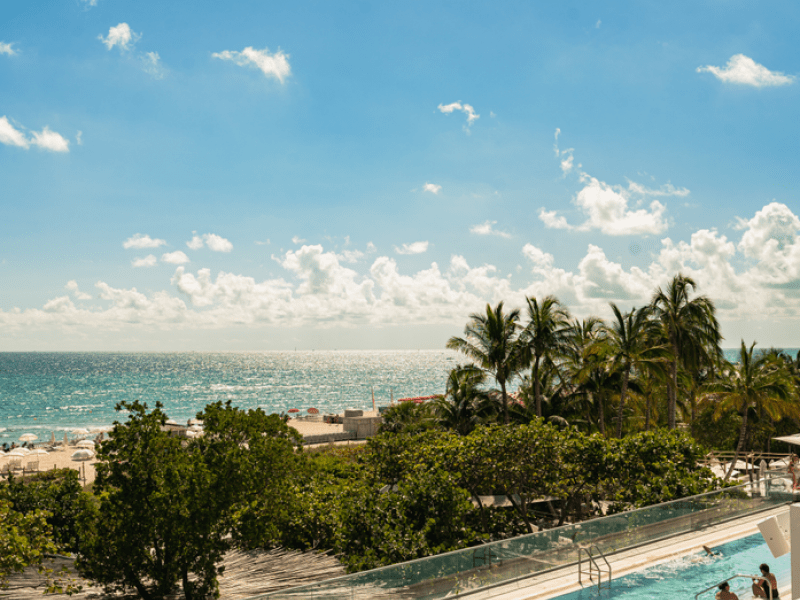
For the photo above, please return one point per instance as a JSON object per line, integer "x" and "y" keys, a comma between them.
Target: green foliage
{"x": 408, "y": 417}
{"x": 656, "y": 466}
{"x": 24, "y": 538}
{"x": 166, "y": 506}
{"x": 59, "y": 494}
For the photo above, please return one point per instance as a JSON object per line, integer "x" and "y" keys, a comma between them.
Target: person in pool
{"x": 725, "y": 592}
{"x": 761, "y": 586}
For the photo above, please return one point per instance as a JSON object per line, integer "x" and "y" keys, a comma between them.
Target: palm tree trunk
{"x": 622, "y": 393}
{"x": 672, "y": 391}
{"x": 502, "y": 383}
{"x": 740, "y": 445}
{"x": 537, "y": 387}
{"x": 601, "y": 423}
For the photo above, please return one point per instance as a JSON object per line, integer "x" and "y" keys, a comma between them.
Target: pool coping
{"x": 558, "y": 582}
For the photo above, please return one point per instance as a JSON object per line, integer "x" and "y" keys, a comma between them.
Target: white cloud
{"x": 141, "y": 240}
{"x": 217, "y": 243}
{"x": 754, "y": 276}
{"x": 7, "y": 49}
{"x": 195, "y": 243}
{"x": 744, "y": 70}
{"x": 49, "y": 140}
{"x": 552, "y": 220}
{"x": 72, "y": 286}
{"x": 606, "y": 207}
{"x": 297, "y": 239}
{"x": 90, "y": 3}
{"x": 472, "y": 116}
{"x": 148, "y": 261}
{"x": 487, "y": 229}
{"x": 120, "y": 36}
{"x": 432, "y": 188}
{"x": 151, "y": 64}
{"x": 665, "y": 190}
{"x": 11, "y": 136}
{"x": 272, "y": 65}
{"x": 44, "y": 139}
{"x": 597, "y": 25}
{"x": 175, "y": 258}
{"x": 413, "y": 248}
{"x": 212, "y": 241}
{"x": 79, "y": 138}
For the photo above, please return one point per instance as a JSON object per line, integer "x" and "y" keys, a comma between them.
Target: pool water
{"x": 684, "y": 577}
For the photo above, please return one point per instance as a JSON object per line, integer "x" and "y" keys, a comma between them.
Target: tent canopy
{"x": 790, "y": 439}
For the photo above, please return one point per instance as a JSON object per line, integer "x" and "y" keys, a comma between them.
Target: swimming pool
{"x": 684, "y": 577}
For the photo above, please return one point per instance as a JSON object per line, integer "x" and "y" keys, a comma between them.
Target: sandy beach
{"x": 61, "y": 458}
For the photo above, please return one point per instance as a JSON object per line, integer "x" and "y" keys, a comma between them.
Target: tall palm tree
{"x": 544, "y": 336}
{"x": 490, "y": 340}
{"x": 461, "y": 406}
{"x": 690, "y": 328}
{"x": 632, "y": 340}
{"x": 751, "y": 383}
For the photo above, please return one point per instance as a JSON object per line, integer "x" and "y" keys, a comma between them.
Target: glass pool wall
{"x": 510, "y": 562}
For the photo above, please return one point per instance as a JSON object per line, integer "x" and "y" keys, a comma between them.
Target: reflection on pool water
{"x": 686, "y": 576}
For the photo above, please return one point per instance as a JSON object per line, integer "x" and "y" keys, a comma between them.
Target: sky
{"x": 356, "y": 175}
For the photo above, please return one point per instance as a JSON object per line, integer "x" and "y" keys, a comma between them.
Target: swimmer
{"x": 711, "y": 552}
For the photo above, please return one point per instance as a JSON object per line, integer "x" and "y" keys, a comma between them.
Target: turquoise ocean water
{"x": 44, "y": 393}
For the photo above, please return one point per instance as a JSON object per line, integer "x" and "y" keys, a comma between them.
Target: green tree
{"x": 24, "y": 538}
{"x": 689, "y": 327}
{"x": 490, "y": 341}
{"x": 461, "y": 407}
{"x": 166, "y": 506}
{"x": 544, "y": 336}
{"x": 632, "y": 343}
{"x": 751, "y": 383}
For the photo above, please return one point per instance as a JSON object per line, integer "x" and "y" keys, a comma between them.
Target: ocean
{"x": 43, "y": 393}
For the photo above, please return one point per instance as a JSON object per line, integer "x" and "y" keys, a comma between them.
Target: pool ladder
{"x": 743, "y": 575}
{"x": 593, "y": 566}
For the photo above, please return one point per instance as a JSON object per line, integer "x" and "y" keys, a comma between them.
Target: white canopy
{"x": 790, "y": 439}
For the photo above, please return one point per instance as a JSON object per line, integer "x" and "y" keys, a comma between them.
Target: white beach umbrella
{"x": 86, "y": 444}
{"x": 27, "y": 437}
{"x": 104, "y": 429}
{"x": 171, "y": 422}
{"x": 38, "y": 452}
{"x": 80, "y": 431}
{"x": 82, "y": 455}
{"x": 18, "y": 452}
{"x": 195, "y": 427}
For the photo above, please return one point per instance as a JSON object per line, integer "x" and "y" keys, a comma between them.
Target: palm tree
{"x": 689, "y": 327}
{"x": 631, "y": 338}
{"x": 544, "y": 336}
{"x": 750, "y": 383}
{"x": 461, "y": 406}
{"x": 490, "y": 340}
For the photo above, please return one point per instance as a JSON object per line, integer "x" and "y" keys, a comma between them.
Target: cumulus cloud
{"x": 297, "y": 239}
{"x": 472, "y": 116}
{"x": 413, "y": 248}
{"x": 176, "y": 258}
{"x": 211, "y": 240}
{"x": 432, "y": 188}
{"x": 72, "y": 286}
{"x": 744, "y": 70}
{"x": 46, "y": 139}
{"x": 141, "y": 240}
{"x": 217, "y": 243}
{"x": 487, "y": 228}
{"x": 148, "y": 261}
{"x": 272, "y": 65}
{"x": 7, "y": 49}
{"x": 120, "y": 36}
{"x": 757, "y": 273}
{"x": 607, "y": 207}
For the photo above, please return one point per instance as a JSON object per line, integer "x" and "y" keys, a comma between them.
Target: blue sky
{"x": 250, "y": 175}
